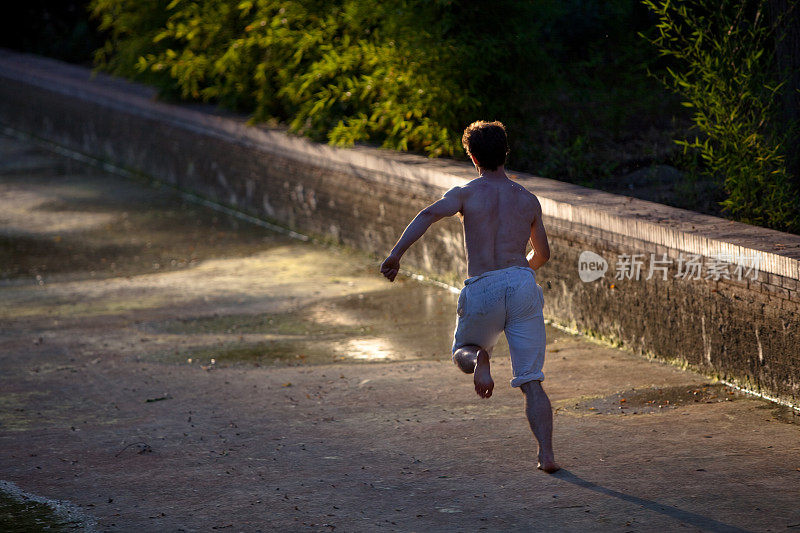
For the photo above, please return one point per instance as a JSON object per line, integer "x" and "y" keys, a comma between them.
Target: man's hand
{"x": 390, "y": 267}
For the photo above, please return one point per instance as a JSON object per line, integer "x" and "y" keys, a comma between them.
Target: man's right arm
{"x": 541, "y": 249}
{"x": 450, "y": 204}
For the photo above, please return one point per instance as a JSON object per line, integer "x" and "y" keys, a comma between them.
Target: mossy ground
{"x": 27, "y": 516}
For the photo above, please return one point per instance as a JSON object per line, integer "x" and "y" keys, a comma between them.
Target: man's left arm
{"x": 448, "y": 205}
{"x": 540, "y": 253}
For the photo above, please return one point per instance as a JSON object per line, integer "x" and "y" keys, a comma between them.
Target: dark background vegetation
{"x": 56, "y": 28}
{"x": 592, "y": 91}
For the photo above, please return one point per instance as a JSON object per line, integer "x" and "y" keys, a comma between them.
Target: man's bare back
{"x": 498, "y": 216}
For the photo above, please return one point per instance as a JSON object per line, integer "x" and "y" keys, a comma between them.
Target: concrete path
{"x": 164, "y": 367}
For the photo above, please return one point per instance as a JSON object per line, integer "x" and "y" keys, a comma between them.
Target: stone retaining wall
{"x": 743, "y": 330}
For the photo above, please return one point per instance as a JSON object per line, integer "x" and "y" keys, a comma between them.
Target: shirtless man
{"x": 501, "y": 293}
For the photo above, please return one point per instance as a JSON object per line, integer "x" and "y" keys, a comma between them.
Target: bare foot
{"x": 547, "y": 465}
{"x": 483, "y": 377}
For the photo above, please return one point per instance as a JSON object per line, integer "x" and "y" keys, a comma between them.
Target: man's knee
{"x": 466, "y": 358}
{"x": 531, "y": 387}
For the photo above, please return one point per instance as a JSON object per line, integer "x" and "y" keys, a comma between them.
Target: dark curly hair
{"x": 486, "y": 141}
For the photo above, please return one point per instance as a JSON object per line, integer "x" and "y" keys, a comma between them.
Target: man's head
{"x": 486, "y": 143}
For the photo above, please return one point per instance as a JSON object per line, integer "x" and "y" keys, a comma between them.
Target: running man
{"x": 501, "y": 294}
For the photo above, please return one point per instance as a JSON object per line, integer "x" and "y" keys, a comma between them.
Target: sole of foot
{"x": 483, "y": 377}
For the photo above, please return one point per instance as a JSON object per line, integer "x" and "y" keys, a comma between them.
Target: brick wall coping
{"x": 674, "y": 228}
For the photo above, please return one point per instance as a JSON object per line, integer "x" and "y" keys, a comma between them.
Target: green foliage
{"x": 722, "y": 65}
{"x": 405, "y": 74}
{"x": 348, "y": 70}
{"x": 132, "y": 26}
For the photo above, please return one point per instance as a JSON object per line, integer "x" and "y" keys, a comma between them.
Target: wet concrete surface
{"x": 352, "y": 328}
{"x": 654, "y": 399}
{"x": 170, "y": 368}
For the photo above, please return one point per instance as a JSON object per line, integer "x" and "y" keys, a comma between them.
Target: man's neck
{"x": 497, "y": 174}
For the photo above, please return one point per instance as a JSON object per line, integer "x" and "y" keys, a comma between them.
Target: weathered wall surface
{"x": 745, "y": 331}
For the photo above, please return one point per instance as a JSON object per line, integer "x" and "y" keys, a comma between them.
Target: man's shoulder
{"x": 522, "y": 191}
{"x": 474, "y": 183}
{"x": 529, "y": 200}
{"x": 469, "y": 188}
{"x": 534, "y": 200}
{"x": 480, "y": 184}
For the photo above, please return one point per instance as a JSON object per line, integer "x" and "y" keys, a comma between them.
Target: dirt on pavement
{"x": 166, "y": 367}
